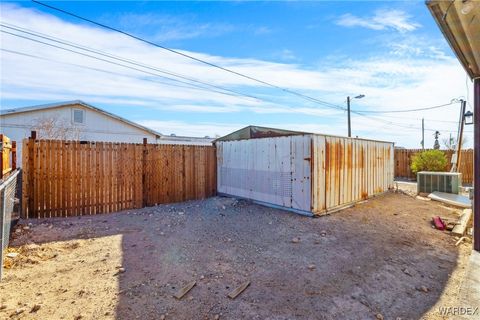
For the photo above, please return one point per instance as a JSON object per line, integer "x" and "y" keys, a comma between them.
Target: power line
{"x": 119, "y": 64}
{"x": 103, "y": 53}
{"x": 55, "y": 46}
{"x": 93, "y": 69}
{"x": 133, "y": 68}
{"x": 407, "y": 110}
{"x": 413, "y": 119}
{"x": 402, "y": 125}
{"x": 324, "y": 103}
{"x": 93, "y": 57}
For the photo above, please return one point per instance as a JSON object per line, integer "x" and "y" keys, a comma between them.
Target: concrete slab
{"x": 452, "y": 199}
{"x": 469, "y": 294}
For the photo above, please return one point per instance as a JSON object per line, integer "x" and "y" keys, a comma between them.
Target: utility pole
{"x": 348, "y": 110}
{"x": 423, "y": 134}
{"x": 436, "y": 145}
{"x": 360, "y": 96}
{"x": 456, "y": 165}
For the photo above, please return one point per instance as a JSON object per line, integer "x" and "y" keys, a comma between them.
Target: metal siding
{"x": 301, "y": 173}
{"x": 311, "y": 172}
{"x": 318, "y": 173}
{"x": 352, "y": 170}
{"x": 272, "y": 170}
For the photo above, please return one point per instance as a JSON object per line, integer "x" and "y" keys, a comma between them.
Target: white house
{"x": 77, "y": 120}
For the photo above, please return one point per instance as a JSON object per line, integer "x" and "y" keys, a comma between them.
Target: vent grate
{"x": 428, "y": 182}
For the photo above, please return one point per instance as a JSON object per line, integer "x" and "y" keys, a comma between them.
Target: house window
{"x": 78, "y": 116}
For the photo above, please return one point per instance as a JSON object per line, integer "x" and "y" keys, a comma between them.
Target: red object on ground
{"x": 438, "y": 223}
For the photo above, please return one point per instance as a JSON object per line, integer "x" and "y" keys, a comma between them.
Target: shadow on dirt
{"x": 380, "y": 257}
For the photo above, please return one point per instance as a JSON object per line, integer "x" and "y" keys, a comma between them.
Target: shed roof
{"x": 256, "y": 132}
{"x": 5, "y": 112}
{"x": 460, "y": 24}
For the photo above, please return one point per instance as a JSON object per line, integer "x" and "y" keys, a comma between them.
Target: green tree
{"x": 429, "y": 160}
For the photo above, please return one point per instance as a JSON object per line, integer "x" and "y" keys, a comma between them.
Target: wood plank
{"x": 53, "y": 178}
{"x": 41, "y": 178}
{"x": 111, "y": 177}
{"x": 461, "y": 227}
{"x": 68, "y": 179}
{"x": 237, "y": 291}
{"x": 25, "y": 178}
{"x": 64, "y": 203}
{"x": 90, "y": 180}
{"x": 183, "y": 291}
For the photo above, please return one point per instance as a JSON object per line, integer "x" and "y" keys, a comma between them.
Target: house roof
{"x": 5, "y": 112}
{"x": 186, "y": 140}
{"x": 459, "y": 22}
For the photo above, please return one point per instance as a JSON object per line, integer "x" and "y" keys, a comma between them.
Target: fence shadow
{"x": 374, "y": 258}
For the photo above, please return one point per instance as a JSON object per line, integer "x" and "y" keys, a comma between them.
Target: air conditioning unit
{"x": 428, "y": 182}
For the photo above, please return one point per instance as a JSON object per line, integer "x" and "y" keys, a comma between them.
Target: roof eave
{"x": 453, "y": 36}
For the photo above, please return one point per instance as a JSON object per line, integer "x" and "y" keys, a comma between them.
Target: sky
{"x": 312, "y": 55}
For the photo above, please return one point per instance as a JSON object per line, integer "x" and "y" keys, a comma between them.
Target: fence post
{"x": 14, "y": 155}
{"x": 1, "y": 158}
{"x": 31, "y": 176}
{"x": 144, "y": 170}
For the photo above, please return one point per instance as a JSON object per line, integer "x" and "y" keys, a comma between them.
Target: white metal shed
{"x": 304, "y": 172}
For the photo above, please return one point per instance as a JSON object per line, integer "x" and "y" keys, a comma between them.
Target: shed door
{"x": 273, "y": 170}
{"x": 301, "y": 172}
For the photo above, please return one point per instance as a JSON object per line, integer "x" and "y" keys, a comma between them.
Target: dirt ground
{"x": 378, "y": 260}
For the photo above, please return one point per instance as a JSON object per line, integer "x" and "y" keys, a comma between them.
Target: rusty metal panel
{"x": 272, "y": 170}
{"x": 353, "y": 170}
{"x": 318, "y": 174}
{"x": 301, "y": 172}
{"x": 313, "y": 173}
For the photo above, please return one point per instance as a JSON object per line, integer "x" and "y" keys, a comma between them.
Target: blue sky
{"x": 390, "y": 51}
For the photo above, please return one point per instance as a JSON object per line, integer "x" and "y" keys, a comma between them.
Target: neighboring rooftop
{"x": 6, "y": 112}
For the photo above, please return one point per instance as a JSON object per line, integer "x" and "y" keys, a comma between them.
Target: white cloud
{"x": 395, "y": 81}
{"x": 166, "y": 27}
{"x": 381, "y": 20}
{"x": 262, "y": 30}
{"x": 286, "y": 55}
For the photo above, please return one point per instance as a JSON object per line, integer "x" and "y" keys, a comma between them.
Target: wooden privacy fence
{"x": 403, "y": 160}
{"x": 8, "y": 161}
{"x": 70, "y": 178}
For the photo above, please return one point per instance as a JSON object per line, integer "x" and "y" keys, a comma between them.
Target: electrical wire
{"x": 93, "y": 69}
{"x": 408, "y": 110}
{"x": 103, "y": 53}
{"x": 193, "y": 86}
{"x": 414, "y": 119}
{"x": 123, "y": 65}
{"x": 404, "y": 126}
{"x": 354, "y": 112}
{"x": 324, "y": 103}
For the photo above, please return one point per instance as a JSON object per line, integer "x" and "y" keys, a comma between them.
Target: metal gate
{"x": 7, "y": 200}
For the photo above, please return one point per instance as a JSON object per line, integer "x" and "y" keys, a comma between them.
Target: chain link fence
{"x": 8, "y": 189}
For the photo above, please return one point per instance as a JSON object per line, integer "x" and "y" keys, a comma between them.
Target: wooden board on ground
{"x": 183, "y": 291}
{"x": 461, "y": 227}
{"x": 237, "y": 291}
